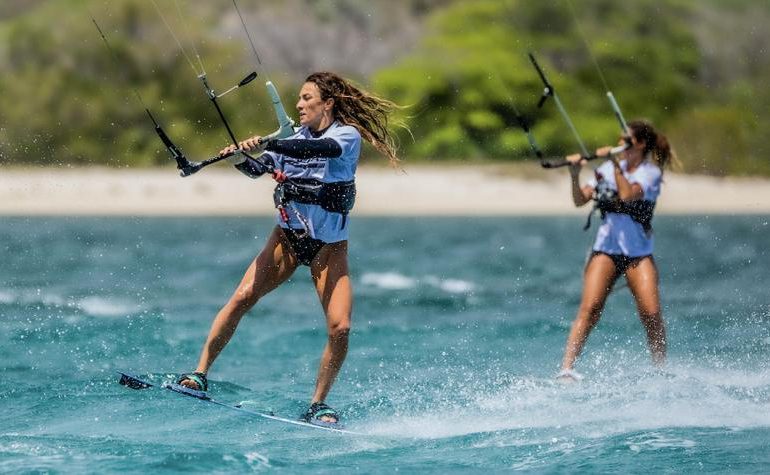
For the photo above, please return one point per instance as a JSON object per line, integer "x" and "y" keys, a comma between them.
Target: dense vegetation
{"x": 697, "y": 69}
{"x": 472, "y": 70}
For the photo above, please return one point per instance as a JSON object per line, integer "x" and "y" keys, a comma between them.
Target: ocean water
{"x": 458, "y": 329}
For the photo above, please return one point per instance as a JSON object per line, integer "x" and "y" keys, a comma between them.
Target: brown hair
{"x": 364, "y": 111}
{"x": 655, "y": 143}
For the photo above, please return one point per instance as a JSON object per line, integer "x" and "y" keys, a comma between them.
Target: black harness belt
{"x": 640, "y": 210}
{"x": 607, "y": 201}
{"x": 338, "y": 197}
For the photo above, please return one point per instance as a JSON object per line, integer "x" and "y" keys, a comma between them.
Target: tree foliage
{"x": 698, "y": 69}
{"x": 472, "y": 71}
{"x": 66, "y": 102}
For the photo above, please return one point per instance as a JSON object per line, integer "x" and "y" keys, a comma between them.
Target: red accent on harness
{"x": 279, "y": 176}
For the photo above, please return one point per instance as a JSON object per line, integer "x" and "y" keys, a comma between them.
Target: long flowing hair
{"x": 364, "y": 111}
{"x": 655, "y": 144}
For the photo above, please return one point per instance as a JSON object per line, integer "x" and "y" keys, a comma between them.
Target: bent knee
{"x": 245, "y": 297}
{"x": 590, "y": 313}
{"x": 339, "y": 329}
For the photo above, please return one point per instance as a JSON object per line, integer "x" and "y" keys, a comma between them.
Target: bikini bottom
{"x": 305, "y": 248}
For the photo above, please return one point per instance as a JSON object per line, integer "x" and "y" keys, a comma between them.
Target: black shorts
{"x": 304, "y": 248}
{"x": 621, "y": 261}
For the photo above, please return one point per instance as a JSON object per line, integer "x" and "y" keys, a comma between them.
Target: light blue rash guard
{"x": 619, "y": 233}
{"x": 322, "y": 225}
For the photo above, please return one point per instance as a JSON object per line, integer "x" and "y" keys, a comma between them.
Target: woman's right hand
{"x": 576, "y": 162}
{"x": 575, "y": 159}
{"x": 229, "y": 150}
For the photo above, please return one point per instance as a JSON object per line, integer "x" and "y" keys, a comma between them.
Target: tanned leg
{"x": 330, "y": 274}
{"x": 269, "y": 269}
{"x": 600, "y": 275}
{"x": 643, "y": 282}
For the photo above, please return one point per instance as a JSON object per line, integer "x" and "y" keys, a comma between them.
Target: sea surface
{"x": 458, "y": 330}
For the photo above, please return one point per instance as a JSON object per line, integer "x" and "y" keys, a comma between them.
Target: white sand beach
{"x": 484, "y": 190}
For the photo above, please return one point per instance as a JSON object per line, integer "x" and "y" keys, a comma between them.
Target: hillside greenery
{"x": 698, "y": 69}
{"x": 471, "y": 73}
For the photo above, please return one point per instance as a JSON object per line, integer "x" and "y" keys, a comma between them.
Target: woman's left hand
{"x": 253, "y": 144}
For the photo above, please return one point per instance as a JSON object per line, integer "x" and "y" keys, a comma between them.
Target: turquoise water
{"x": 459, "y": 326}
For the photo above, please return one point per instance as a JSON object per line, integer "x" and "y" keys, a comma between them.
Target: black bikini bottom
{"x": 621, "y": 262}
{"x": 305, "y": 248}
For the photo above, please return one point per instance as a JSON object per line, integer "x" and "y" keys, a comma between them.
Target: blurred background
{"x": 698, "y": 69}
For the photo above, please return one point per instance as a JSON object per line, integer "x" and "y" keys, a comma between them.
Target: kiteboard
{"x": 135, "y": 382}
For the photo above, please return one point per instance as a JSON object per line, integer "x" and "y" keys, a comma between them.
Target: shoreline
{"x": 422, "y": 190}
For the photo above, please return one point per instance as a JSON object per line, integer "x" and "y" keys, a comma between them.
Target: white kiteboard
{"x": 135, "y": 382}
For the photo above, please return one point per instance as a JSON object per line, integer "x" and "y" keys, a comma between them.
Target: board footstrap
{"x": 132, "y": 382}
{"x": 178, "y": 388}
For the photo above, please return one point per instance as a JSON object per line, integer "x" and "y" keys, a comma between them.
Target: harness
{"x": 338, "y": 197}
{"x": 607, "y": 201}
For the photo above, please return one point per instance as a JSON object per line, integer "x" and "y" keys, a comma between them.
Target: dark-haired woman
{"x": 624, "y": 190}
{"x": 315, "y": 170}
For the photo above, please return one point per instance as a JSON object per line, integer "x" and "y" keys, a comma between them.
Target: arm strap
{"x": 304, "y": 149}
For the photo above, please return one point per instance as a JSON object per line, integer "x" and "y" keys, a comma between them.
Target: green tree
{"x": 464, "y": 80}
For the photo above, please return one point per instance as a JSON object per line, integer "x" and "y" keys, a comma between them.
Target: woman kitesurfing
{"x": 625, "y": 191}
{"x": 315, "y": 170}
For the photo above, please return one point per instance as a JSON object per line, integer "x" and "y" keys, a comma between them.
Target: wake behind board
{"x": 134, "y": 382}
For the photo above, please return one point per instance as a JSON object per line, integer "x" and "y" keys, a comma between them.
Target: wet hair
{"x": 369, "y": 114}
{"x": 655, "y": 144}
